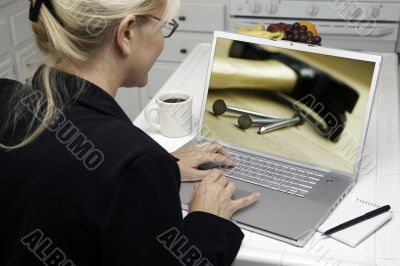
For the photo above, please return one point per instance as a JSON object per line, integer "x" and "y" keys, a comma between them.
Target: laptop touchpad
{"x": 187, "y": 190}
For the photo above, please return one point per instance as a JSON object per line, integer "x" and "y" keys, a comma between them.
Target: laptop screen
{"x": 299, "y": 105}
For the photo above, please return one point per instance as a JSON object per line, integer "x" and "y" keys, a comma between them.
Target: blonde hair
{"x": 79, "y": 31}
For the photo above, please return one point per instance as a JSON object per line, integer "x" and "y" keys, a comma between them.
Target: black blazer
{"x": 94, "y": 189}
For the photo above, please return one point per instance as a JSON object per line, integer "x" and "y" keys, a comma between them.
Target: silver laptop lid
{"x": 326, "y": 93}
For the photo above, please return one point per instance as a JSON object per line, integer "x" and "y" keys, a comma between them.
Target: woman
{"x": 80, "y": 184}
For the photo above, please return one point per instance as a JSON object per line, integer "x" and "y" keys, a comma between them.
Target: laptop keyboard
{"x": 270, "y": 174}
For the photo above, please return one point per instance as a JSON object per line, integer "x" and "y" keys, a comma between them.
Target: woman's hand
{"x": 214, "y": 195}
{"x": 191, "y": 157}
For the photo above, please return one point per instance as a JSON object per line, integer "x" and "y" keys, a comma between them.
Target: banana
{"x": 259, "y": 27}
{"x": 259, "y": 31}
{"x": 264, "y": 34}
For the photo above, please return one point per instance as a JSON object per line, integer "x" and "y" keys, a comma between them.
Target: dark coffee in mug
{"x": 174, "y": 100}
{"x": 174, "y": 111}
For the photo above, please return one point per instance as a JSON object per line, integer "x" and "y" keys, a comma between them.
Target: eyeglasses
{"x": 167, "y": 28}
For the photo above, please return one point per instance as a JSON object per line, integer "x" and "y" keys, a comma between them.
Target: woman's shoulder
{"x": 7, "y": 83}
{"x": 127, "y": 134}
{"x": 129, "y": 151}
{"x": 7, "y": 86}
{"x": 117, "y": 138}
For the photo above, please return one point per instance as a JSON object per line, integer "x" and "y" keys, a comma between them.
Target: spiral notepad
{"x": 350, "y": 208}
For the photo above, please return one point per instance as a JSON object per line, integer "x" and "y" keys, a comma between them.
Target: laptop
{"x": 294, "y": 117}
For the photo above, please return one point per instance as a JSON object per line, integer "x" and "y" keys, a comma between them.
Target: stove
{"x": 367, "y": 25}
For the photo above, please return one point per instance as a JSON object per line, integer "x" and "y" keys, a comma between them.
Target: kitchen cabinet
{"x": 5, "y": 39}
{"x": 7, "y": 69}
{"x": 19, "y": 55}
{"x": 158, "y": 75}
{"x": 21, "y": 27}
{"x": 5, "y": 2}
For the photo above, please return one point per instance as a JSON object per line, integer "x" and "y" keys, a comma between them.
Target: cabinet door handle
{"x": 183, "y": 51}
{"x": 182, "y": 18}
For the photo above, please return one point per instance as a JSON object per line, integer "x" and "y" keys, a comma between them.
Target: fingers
{"x": 221, "y": 159}
{"x": 246, "y": 201}
{"x": 213, "y": 148}
{"x": 217, "y": 176}
{"x": 222, "y": 180}
{"x": 214, "y": 175}
{"x": 213, "y": 152}
{"x": 196, "y": 174}
{"x": 210, "y": 147}
{"x": 215, "y": 158}
{"x": 230, "y": 189}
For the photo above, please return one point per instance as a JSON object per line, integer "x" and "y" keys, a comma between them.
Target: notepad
{"x": 350, "y": 208}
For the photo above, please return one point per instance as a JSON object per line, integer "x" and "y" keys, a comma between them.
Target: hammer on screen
{"x": 319, "y": 97}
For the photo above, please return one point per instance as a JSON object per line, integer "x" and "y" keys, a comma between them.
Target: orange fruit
{"x": 310, "y": 27}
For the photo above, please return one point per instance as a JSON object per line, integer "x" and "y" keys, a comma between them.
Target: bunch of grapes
{"x": 295, "y": 33}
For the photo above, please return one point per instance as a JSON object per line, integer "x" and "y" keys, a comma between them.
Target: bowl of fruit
{"x": 303, "y": 32}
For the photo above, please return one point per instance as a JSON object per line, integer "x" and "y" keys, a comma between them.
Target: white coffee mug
{"x": 174, "y": 111}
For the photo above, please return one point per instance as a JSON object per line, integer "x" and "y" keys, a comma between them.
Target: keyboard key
{"x": 284, "y": 188}
{"x": 302, "y": 185}
{"x": 292, "y": 191}
{"x": 301, "y": 194}
{"x": 313, "y": 178}
{"x": 299, "y": 189}
{"x": 267, "y": 183}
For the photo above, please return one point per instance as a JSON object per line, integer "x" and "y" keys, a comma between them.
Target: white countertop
{"x": 382, "y": 185}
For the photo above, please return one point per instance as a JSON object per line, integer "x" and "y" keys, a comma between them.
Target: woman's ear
{"x": 125, "y": 35}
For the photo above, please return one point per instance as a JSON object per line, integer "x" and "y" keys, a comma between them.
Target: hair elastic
{"x": 34, "y": 10}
